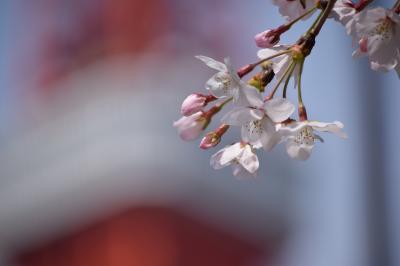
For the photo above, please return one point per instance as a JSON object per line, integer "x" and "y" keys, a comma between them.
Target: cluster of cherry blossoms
{"x": 266, "y": 120}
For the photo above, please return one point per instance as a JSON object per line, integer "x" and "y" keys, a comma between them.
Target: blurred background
{"x": 93, "y": 173}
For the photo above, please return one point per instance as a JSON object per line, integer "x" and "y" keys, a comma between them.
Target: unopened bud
{"x": 213, "y": 138}
{"x": 195, "y": 103}
{"x": 267, "y": 39}
{"x": 190, "y": 127}
{"x": 271, "y": 37}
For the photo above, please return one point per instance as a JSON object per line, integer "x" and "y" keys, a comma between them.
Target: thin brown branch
{"x": 314, "y": 32}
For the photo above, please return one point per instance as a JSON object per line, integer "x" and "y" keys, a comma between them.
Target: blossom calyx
{"x": 302, "y": 113}
{"x": 256, "y": 82}
{"x": 213, "y": 138}
{"x": 297, "y": 52}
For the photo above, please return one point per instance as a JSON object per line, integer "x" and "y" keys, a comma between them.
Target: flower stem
{"x": 287, "y": 71}
{"x": 314, "y": 23}
{"x": 287, "y": 80}
{"x": 271, "y": 57}
{"x": 300, "y": 99}
{"x": 216, "y": 108}
{"x": 396, "y": 7}
{"x": 222, "y": 104}
{"x": 324, "y": 15}
{"x": 307, "y": 41}
{"x": 291, "y": 23}
{"x": 301, "y": 108}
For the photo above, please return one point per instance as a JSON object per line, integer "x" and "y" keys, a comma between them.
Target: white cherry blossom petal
{"x": 190, "y": 127}
{"x": 343, "y": 12}
{"x": 231, "y": 70}
{"x": 268, "y": 52}
{"x": 298, "y": 151}
{"x": 225, "y": 156}
{"x": 239, "y": 116}
{"x": 269, "y": 137}
{"x": 251, "y": 97}
{"x": 214, "y": 64}
{"x": 215, "y": 161}
{"x": 249, "y": 160}
{"x": 279, "y": 109}
{"x": 334, "y": 127}
{"x": 240, "y": 155}
{"x": 240, "y": 172}
{"x": 231, "y": 153}
{"x": 289, "y": 129}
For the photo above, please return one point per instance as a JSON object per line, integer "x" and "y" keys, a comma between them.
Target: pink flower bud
{"x": 190, "y": 127}
{"x": 195, "y": 103}
{"x": 267, "y": 39}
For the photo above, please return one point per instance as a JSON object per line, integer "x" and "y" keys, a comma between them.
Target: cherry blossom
{"x": 377, "y": 32}
{"x": 226, "y": 82}
{"x": 258, "y": 123}
{"x": 252, "y": 91}
{"x": 240, "y": 156}
{"x": 300, "y": 136}
{"x": 344, "y": 12}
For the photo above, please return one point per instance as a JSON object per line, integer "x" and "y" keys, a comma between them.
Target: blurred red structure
{"x": 97, "y": 31}
{"x": 146, "y": 237}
